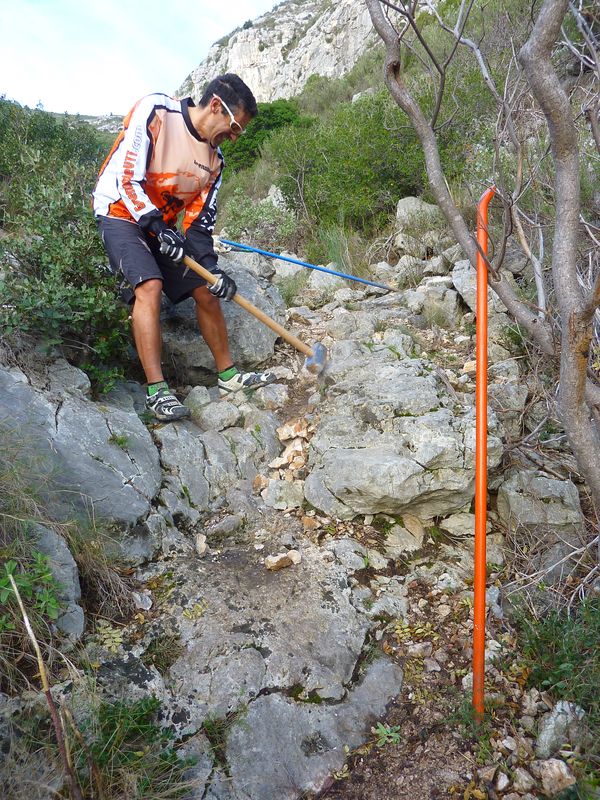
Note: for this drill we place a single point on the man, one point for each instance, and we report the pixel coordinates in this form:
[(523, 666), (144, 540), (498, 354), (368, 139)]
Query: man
[(167, 161)]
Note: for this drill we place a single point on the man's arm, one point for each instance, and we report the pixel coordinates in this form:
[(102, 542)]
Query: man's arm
[(132, 157)]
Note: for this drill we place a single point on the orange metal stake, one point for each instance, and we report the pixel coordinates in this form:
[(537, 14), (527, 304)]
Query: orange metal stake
[(481, 455)]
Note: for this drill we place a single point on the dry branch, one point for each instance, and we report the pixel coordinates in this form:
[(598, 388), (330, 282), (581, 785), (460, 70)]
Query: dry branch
[(54, 714)]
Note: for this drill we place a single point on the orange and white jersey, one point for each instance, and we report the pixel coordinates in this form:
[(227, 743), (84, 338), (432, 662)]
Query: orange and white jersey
[(160, 162)]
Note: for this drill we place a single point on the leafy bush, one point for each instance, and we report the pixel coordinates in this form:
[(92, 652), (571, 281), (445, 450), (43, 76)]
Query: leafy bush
[(54, 286), (263, 224), (271, 117), (352, 166)]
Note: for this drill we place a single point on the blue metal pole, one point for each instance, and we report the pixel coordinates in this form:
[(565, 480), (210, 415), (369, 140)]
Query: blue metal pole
[(307, 265)]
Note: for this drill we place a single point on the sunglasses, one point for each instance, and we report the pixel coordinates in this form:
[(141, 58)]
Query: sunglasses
[(233, 123)]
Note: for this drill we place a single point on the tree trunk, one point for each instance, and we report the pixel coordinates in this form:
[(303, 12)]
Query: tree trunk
[(576, 312)]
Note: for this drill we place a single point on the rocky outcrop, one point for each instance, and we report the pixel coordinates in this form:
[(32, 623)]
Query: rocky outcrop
[(100, 456), (278, 52)]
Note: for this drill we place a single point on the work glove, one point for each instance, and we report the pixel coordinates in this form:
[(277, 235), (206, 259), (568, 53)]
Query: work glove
[(225, 287), (172, 244)]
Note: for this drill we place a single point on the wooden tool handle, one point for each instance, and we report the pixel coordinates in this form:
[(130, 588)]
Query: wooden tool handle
[(252, 309)]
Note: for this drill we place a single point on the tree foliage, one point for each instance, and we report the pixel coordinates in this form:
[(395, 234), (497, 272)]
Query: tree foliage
[(271, 117)]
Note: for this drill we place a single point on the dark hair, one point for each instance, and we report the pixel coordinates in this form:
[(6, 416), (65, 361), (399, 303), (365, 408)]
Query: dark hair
[(233, 91)]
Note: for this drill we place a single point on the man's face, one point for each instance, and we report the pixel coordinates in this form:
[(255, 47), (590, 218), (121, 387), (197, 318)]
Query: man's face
[(226, 123)]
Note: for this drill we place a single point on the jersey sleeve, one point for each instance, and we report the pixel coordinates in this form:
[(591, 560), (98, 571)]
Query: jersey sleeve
[(133, 156), (199, 224)]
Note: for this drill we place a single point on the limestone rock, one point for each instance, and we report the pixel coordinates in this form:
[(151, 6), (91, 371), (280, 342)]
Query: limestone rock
[(216, 416), (99, 454), (278, 52), (400, 540), (554, 775), (182, 456), (273, 397), (283, 494), (310, 740), (201, 546), (530, 501), (65, 573), (522, 780), (394, 445), (412, 212), (464, 279), (561, 726), (257, 629)]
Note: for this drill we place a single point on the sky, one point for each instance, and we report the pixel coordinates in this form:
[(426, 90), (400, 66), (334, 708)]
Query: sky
[(90, 57)]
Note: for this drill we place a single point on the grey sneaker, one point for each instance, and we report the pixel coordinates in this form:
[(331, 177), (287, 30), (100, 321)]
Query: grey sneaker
[(245, 381), (166, 407)]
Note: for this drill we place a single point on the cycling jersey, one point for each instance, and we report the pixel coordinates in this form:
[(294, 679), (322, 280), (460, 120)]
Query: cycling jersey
[(159, 162)]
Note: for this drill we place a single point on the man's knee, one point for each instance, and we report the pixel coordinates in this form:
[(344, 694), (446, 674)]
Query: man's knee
[(149, 292), (205, 301)]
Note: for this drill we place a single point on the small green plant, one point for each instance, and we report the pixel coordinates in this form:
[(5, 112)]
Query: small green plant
[(108, 637), (255, 433), (163, 652), (120, 439), (197, 611), (35, 584), (40, 594), (216, 728), (386, 734), (133, 757), (478, 732), (291, 287)]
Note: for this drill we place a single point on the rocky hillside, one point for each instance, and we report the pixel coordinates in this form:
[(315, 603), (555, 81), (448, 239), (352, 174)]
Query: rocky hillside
[(277, 53), (301, 559)]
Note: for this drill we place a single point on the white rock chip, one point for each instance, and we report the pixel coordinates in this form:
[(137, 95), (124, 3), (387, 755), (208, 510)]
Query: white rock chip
[(282, 560), (200, 544)]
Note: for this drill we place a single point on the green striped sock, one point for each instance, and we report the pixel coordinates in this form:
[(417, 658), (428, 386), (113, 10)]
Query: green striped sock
[(153, 388), (227, 374)]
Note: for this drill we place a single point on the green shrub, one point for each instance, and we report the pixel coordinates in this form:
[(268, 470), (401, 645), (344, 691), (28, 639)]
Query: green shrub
[(271, 117), (54, 286), (353, 165), (262, 224)]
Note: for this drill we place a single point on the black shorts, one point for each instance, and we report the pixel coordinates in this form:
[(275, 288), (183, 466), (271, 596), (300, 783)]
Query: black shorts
[(136, 258)]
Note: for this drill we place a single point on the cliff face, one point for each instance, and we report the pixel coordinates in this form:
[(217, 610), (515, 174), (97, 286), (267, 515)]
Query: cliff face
[(280, 50)]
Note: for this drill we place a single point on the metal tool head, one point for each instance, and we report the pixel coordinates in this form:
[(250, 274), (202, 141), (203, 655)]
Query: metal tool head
[(315, 363)]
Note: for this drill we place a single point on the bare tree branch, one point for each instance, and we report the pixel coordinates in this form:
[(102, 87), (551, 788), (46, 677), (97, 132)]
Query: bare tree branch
[(538, 329)]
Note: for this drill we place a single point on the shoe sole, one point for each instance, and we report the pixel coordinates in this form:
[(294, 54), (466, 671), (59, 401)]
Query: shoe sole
[(169, 417)]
